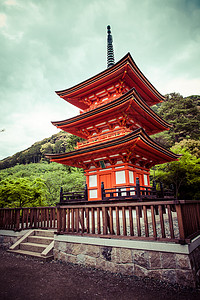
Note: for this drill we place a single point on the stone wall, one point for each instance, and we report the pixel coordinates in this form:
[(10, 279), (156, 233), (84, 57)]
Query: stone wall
[(176, 268), (195, 264), (9, 237)]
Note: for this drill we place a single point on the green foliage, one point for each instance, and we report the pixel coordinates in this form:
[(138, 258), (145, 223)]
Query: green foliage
[(22, 192), (183, 114), (183, 174), (183, 138), (37, 184), (192, 146), (28, 179)]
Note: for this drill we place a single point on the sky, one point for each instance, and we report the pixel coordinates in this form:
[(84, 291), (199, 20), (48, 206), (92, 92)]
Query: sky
[(50, 45)]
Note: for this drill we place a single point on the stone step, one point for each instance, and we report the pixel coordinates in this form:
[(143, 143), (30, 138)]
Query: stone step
[(32, 247), (32, 254), (38, 244), (40, 239), (45, 233)]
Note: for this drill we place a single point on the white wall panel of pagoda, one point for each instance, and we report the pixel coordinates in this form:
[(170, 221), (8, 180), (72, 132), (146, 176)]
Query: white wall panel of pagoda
[(114, 176)]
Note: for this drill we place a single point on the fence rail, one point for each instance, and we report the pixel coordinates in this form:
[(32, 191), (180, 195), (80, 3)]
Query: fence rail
[(177, 221)]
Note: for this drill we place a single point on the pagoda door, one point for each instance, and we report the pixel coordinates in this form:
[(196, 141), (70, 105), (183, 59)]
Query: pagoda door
[(139, 175), (106, 179)]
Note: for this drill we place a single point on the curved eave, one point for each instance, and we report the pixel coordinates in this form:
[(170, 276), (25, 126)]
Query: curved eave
[(138, 139), (111, 74), (83, 120)]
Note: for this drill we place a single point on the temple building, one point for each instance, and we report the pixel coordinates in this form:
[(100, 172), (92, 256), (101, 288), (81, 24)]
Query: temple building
[(116, 121)]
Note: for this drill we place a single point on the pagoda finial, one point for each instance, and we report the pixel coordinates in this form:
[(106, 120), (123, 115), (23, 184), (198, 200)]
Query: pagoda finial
[(110, 51)]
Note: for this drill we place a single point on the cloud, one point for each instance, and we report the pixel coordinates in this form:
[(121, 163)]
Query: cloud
[(2, 20), (11, 2), (52, 45)]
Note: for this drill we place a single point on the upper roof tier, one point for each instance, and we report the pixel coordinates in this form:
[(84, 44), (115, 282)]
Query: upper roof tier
[(125, 70)]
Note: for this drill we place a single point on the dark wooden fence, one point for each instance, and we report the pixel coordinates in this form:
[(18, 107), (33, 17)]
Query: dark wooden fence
[(27, 218), (188, 212), (177, 221), (155, 220)]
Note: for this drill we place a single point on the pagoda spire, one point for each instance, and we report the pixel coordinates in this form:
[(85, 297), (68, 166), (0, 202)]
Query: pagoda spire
[(110, 51)]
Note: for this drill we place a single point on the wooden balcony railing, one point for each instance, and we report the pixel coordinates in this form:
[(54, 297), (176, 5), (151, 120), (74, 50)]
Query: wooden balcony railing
[(73, 196), (170, 221), (137, 191), (134, 192), (128, 192)]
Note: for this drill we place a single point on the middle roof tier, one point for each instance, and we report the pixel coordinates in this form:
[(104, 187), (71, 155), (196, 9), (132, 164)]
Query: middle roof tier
[(129, 112)]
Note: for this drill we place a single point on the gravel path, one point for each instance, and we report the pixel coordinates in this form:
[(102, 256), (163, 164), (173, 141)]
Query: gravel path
[(26, 278)]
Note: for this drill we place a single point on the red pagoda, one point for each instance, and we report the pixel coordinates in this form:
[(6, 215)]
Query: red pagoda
[(116, 121)]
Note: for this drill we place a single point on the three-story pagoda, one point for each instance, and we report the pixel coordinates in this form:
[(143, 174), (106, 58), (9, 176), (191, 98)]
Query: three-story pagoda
[(116, 121)]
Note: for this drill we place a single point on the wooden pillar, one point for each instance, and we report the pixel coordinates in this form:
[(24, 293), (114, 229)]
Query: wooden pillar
[(161, 190), (86, 193), (61, 194), (102, 191), (154, 188), (138, 193)]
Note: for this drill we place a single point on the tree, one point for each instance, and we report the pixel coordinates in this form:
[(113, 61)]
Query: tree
[(184, 174), (47, 179), (22, 192), (70, 181), (183, 114), (193, 146)]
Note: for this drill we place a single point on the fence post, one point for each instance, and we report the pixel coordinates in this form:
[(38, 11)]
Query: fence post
[(180, 222), (86, 193), (161, 190), (35, 220), (154, 188), (61, 194), (138, 187), (172, 187), (59, 220), (102, 191), (17, 219)]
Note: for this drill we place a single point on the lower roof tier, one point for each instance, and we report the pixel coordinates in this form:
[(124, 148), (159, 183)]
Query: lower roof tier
[(135, 147)]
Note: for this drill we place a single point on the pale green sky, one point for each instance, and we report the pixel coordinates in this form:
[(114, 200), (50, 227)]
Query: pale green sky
[(48, 45)]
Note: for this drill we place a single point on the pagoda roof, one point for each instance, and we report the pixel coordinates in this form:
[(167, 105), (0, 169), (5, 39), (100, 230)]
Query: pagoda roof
[(125, 69), (138, 143), (129, 105)]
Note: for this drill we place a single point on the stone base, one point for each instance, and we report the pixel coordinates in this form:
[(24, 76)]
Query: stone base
[(9, 237), (169, 262), (177, 266)]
